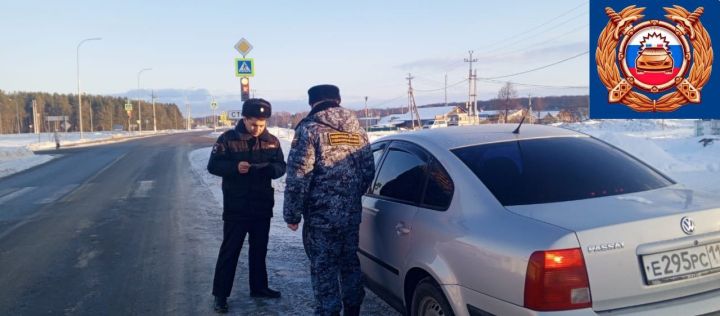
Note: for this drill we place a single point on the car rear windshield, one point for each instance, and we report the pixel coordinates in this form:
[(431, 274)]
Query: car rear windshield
[(550, 170)]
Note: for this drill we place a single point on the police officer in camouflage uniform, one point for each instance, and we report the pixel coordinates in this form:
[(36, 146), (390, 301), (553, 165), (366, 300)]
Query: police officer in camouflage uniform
[(247, 158), (330, 167)]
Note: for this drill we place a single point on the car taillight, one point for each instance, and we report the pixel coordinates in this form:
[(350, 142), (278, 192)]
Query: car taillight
[(557, 280)]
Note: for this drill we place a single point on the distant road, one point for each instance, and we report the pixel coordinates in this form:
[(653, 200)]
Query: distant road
[(105, 230)]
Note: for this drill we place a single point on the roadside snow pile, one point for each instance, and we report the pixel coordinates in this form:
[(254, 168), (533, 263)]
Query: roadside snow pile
[(14, 153), (668, 145), (198, 160), (637, 128), (16, 159)]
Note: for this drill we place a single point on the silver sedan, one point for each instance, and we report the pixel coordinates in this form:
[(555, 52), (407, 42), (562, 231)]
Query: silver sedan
[(482, 221)]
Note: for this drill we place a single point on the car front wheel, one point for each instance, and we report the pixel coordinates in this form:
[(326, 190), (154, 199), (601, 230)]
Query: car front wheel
[(428, 300)]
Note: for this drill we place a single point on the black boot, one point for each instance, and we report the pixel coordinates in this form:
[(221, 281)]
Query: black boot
[(351, 311), (267, 293), (221, 305)]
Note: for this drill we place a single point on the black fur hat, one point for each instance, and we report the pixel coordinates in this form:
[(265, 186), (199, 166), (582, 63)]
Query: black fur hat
[(323, 92), (256, 108)]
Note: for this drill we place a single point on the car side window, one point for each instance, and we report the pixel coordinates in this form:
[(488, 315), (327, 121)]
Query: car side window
[(378, 150), (439, 189), (401, 177)]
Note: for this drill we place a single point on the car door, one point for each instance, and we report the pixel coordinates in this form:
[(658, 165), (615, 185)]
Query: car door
[(367, 236), (388, 212)]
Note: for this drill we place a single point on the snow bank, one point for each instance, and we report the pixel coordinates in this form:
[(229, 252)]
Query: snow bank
[(16, 159), (16, 150), (668, 145)]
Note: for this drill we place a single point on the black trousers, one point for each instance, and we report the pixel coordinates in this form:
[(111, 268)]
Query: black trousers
[(233, 238)]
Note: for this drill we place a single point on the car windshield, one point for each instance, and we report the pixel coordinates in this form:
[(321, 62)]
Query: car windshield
[(557, 169)]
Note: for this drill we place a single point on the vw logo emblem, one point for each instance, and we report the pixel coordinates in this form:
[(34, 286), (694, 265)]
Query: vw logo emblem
[(688, 225)]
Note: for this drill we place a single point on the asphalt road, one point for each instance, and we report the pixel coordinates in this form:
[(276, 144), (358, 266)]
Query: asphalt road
[(105, 230)]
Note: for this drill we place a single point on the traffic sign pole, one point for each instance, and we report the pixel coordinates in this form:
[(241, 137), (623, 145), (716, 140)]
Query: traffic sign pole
[(213, 106), (244, 67)]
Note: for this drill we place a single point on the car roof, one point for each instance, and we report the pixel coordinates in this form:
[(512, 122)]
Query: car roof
[(463, 136)]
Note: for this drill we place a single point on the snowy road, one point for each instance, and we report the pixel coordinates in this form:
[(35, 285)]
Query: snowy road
[(131, 229)]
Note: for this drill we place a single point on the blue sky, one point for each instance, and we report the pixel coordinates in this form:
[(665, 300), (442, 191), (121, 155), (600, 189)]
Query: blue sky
[(365, 47)]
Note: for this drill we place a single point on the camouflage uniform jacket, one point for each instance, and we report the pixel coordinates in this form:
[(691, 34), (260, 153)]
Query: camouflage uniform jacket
[(250, 195), (330, 167)]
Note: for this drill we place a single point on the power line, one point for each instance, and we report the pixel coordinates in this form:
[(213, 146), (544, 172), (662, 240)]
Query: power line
[(538, 68), (388, 101), (534, 85), (546, 41), (529, 35), (538, 26), (443, 88)]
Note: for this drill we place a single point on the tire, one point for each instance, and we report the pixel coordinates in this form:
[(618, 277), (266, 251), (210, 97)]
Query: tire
[(428, 300)]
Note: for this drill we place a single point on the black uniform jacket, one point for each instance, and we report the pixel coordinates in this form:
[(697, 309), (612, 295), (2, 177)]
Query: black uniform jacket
[(247, 196)]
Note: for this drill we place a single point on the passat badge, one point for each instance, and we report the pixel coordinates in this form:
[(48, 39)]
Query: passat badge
[(654, 65)]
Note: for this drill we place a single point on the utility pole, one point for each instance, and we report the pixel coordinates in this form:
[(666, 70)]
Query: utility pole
[(445, 89), (530, 107), (412, 107), (471, 93), (476, 119), (36, 127), (154, 119), (366, 114), (112, 109), (187, 111)]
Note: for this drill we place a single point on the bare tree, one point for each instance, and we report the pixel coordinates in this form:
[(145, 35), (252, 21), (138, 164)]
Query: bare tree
[(506, 96)]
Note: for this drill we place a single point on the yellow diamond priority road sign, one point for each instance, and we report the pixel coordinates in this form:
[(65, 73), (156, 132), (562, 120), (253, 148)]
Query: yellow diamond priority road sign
[(243, 46)]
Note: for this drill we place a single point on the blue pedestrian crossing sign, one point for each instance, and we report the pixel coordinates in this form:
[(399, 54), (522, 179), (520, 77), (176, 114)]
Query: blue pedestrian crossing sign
[(244, 67)]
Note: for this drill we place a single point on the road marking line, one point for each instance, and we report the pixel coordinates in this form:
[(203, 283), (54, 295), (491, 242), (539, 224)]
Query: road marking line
[(5, 191), (64, 190), (70, 196), (74, 195), (14, 194), (143, 189)]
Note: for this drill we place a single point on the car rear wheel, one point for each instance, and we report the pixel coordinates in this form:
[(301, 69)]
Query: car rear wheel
[(428, 300)]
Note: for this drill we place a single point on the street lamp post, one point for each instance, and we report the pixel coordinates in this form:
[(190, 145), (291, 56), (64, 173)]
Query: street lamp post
[(139, 98), (78, 81), (154, 119)]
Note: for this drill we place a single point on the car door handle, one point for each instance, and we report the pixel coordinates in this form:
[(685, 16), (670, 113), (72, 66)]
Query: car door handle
[(371, 209), (401, 229)]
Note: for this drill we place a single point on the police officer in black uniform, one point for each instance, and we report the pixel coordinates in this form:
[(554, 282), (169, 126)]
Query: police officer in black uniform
[(247, 158)]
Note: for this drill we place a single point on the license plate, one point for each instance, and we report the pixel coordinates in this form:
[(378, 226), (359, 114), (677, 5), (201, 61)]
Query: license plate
[(682, 263)]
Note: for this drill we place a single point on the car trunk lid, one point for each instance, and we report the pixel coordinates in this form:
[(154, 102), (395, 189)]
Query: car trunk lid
[(624, 237)]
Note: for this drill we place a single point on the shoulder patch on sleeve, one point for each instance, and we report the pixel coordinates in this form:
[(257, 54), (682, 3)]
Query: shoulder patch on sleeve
[(340, 138), (218, 147)]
